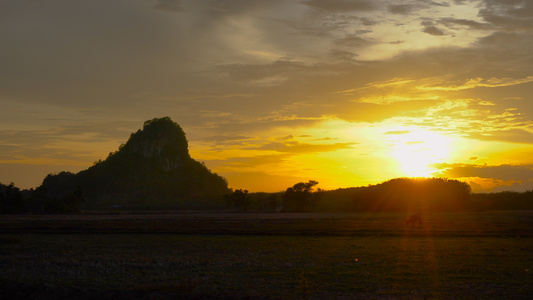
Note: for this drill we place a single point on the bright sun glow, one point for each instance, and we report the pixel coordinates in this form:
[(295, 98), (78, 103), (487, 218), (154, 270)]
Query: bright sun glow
[(417, 149)]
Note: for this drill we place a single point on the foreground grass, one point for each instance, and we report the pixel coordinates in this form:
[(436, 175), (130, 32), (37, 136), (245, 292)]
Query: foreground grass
[(412, 264)]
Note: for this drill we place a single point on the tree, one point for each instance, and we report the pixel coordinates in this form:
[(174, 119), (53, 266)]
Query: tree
[(11, 200), (238, 199), (301, 197), (413, 194), (41, 202)]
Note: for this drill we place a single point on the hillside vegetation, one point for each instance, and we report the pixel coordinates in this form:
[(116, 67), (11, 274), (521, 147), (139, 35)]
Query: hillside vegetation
[(153, 169), (399, 194)]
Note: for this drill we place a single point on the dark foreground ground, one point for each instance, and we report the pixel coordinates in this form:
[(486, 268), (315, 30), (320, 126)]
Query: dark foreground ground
[(481, 255)]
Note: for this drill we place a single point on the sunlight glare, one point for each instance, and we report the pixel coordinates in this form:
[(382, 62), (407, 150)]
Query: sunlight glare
[(417, 149)]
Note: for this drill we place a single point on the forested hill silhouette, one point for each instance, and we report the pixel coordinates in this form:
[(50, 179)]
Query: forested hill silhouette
[(152, 170), (413, 194), (394, 195)]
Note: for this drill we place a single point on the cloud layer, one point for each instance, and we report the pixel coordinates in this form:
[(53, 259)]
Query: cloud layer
[(78, 76)]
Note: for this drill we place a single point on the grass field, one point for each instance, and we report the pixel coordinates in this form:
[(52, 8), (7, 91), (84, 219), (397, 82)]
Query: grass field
[(308, 256)]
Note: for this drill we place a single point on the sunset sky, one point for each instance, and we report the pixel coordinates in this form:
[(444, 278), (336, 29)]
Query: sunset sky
[(271, 93)]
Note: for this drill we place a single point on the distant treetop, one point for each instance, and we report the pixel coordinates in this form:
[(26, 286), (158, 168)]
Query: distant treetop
[(414, 194)]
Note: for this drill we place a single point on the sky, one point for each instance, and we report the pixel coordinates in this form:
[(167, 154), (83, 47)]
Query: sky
[(271, 93)]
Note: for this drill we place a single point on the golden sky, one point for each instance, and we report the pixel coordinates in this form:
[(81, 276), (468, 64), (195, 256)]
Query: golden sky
[(270, 93)]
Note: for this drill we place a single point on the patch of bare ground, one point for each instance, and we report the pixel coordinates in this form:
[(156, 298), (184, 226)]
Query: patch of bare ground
[(467, 255), (25, 291), (515, 224)]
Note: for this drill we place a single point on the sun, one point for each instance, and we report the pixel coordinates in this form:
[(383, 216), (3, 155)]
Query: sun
[(416, 150)]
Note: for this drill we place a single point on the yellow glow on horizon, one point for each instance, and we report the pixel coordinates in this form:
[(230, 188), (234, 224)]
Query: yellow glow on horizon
[(417, 149), (341, 154)]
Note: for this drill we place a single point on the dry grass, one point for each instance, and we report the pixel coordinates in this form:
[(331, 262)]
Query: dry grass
[(308, 256), (497, 224)]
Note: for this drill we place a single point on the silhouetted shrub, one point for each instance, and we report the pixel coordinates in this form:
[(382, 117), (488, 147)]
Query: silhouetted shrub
[(238, 199), (413, 194), (11, 200), (301, 197)]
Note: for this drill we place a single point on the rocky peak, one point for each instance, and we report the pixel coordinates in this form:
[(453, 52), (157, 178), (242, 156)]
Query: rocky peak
[(160, 139)]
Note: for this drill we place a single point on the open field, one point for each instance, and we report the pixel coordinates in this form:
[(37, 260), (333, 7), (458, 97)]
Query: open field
[(270, 256)]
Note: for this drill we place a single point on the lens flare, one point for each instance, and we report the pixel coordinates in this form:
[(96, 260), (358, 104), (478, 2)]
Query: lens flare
[(417, 149)]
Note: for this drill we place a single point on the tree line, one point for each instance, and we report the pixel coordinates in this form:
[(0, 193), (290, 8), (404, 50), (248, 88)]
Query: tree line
[(399, 194), (16, 201), (301, 197)]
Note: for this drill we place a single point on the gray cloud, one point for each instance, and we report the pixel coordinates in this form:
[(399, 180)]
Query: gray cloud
[(352, 41), (501, 172), (343, 55), (504, 40), (224, 139), (372, 113), (511, 136), (443, 4), (41, 145), (341, 5), (431, 29), (454, 23), (499, 178), (249, 72), (297, 147), (58, 53), (169, 5), (401, 9), (368, 21), (406, 9), (508, 15)]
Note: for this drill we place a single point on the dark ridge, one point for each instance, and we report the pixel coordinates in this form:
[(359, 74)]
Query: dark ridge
[(152, 170)]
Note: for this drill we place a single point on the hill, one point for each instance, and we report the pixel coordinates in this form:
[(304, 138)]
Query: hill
[(152, 170), (394, 195)]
